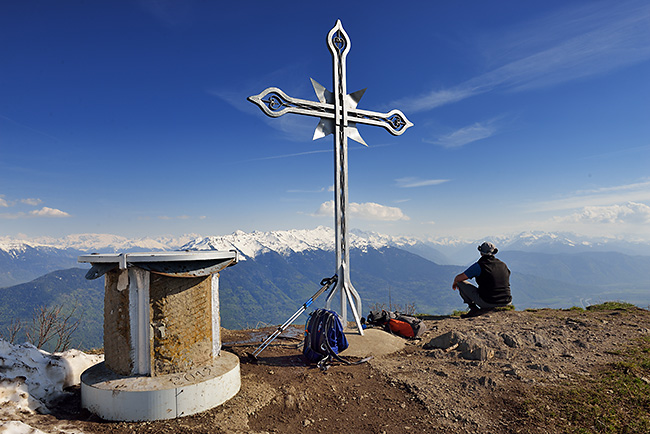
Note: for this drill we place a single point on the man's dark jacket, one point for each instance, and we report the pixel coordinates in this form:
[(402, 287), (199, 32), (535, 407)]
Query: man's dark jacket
[(494, 281)]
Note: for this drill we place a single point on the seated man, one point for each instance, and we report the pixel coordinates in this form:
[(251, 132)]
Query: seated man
[(493, 278)]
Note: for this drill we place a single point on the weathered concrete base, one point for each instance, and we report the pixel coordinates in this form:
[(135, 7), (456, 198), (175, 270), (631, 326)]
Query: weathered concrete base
[(141, 398)]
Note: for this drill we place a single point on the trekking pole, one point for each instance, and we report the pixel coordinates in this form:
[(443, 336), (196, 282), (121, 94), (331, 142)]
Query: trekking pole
[(325, 284)]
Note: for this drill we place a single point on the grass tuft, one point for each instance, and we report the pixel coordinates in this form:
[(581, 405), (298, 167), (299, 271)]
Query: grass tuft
[(611, 305), (615, 400), (575, 308)]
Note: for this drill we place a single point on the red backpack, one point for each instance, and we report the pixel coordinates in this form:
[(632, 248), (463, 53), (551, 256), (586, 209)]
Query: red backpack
[(406, 326)]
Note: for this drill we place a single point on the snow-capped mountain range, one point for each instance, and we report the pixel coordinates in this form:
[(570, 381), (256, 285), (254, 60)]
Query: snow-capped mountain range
[(92, 242), (285, 242)]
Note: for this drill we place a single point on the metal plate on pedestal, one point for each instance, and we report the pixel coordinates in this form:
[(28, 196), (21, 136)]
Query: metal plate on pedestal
[(174, 264)]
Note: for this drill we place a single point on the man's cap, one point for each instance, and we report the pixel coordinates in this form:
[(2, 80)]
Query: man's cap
[(487, 249)]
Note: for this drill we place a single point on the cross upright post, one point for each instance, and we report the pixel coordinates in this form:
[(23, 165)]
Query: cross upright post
[(339, 116)]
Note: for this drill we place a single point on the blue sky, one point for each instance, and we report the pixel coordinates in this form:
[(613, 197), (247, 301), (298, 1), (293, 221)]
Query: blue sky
[(131, 118)]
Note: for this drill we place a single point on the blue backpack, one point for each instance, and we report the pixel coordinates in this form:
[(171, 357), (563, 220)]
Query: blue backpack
[(324, 337)]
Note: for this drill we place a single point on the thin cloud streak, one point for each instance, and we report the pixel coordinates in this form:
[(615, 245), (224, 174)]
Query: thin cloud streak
[(297, 154), (618, 152), (469, 134), (320, 190), (411, 182), (27, 127), (606, 41), (606, 196), (626, 187)]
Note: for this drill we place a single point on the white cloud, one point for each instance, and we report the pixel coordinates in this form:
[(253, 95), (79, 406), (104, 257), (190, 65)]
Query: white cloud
[(365, 211), (577, 43), (411, 182), (48, 212), (628, 213), (31, 201), (436, 98), (605, 196), (465, 135)]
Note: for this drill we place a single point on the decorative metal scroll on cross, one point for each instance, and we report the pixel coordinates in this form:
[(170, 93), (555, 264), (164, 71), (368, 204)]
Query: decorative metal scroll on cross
[(338, 115)]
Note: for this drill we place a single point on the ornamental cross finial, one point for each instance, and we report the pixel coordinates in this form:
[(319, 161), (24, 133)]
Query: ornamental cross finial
[(338, 115)]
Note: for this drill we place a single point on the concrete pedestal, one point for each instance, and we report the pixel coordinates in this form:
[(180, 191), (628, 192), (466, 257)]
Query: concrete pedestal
[(162, 340)]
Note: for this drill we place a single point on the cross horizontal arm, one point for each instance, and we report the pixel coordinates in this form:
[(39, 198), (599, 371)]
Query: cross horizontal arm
[(394, 121), (275, 103)]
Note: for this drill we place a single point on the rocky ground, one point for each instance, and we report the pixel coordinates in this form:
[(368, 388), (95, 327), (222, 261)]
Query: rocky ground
[(498, 373)]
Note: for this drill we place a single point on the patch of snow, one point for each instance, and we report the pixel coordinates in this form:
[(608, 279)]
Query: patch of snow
[(31, 378), (17, 427)]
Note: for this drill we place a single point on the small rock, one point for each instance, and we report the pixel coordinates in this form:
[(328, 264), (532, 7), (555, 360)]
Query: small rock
[(540, 340), (480, 353), (512, 371), (471, 350), (580, 343), (510, 340), (537, 367), (487, 382), (444, 341), (290, 402)]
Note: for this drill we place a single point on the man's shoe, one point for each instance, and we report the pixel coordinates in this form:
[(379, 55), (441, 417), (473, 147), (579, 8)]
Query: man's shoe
[(472, 313)]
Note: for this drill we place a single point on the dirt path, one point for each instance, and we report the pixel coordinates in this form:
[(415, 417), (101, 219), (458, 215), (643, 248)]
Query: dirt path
[(481, 374)]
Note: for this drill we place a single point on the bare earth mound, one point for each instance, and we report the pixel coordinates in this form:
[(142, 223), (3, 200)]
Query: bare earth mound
[(503, 372)]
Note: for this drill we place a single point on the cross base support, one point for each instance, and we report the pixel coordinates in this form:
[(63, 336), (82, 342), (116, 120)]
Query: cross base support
[(350, 296)]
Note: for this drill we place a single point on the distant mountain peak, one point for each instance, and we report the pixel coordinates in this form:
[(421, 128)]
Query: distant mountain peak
[(251, 244), (287, 242)]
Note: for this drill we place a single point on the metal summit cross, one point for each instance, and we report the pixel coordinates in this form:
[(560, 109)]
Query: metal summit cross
[(338, 115)]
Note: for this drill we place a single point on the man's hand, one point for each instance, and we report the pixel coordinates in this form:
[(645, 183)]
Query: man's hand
[(460, 278)]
